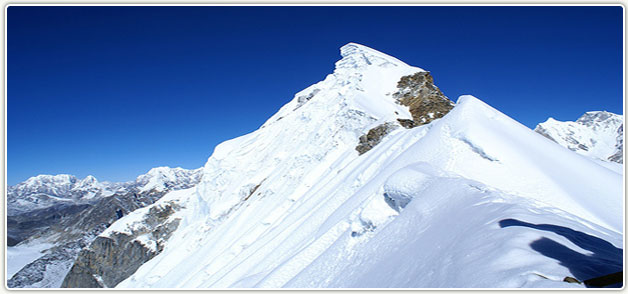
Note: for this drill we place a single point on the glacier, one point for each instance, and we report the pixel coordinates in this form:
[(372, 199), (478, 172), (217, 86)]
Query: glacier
[(472, 199)]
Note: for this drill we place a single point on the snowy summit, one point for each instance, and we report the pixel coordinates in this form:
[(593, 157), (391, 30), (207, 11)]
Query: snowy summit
[(373, 178)]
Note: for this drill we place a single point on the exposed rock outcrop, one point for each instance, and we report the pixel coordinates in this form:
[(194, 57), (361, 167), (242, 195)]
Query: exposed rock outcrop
[(425, 100), (73, 232), (107, 262), (22, 226), (407, 123), (73, 225), (111, 258), (44, 271), (619, 155), (374, 136)]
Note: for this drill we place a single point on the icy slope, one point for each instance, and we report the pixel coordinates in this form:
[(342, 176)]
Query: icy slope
[(294, 205), (597, 134)]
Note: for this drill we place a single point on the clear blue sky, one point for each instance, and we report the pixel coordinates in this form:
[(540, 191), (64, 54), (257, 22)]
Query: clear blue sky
[(114, 91)]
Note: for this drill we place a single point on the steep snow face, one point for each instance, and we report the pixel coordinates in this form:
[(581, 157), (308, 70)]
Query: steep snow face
[(458, 202), (597, 134), (287, 154)]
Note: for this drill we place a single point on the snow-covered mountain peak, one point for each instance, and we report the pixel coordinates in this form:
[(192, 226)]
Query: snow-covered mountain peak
[(597, 134), (44, 191), (362, 82), (51, 184), (161, 171), (356, 56), (45, 179), (598, 119), (296, 204), (163, 177), (89, 180)]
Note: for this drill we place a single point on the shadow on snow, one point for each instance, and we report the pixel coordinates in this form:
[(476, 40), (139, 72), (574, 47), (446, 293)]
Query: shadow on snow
[(606, 258)]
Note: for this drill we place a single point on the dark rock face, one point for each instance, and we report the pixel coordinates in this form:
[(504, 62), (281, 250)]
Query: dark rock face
[(543, 132), (61, 256), (22, 226), (75, 231), (72, 227), (110, 259), (107, 262), (425, 100), (619, 155), (100, 216), (374, 136), (407, 123)]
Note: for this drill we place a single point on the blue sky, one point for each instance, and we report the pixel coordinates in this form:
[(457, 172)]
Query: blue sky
[(114, 91)]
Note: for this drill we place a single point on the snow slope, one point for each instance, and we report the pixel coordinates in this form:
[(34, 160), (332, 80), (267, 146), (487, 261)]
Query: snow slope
[(597, 134), (23, 254), (473, 199)]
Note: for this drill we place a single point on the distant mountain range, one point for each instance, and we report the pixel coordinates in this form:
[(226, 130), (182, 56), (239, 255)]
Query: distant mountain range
[(597, 134), (66, 213)]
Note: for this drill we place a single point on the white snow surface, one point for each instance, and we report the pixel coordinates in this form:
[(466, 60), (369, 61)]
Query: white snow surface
[(473, 199), (24, 253), (596, 134)]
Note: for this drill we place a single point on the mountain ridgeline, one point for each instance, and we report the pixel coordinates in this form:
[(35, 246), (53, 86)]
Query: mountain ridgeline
[(370, 178)]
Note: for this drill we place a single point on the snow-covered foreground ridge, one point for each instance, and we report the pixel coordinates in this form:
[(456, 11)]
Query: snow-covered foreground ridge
[(473, 199)]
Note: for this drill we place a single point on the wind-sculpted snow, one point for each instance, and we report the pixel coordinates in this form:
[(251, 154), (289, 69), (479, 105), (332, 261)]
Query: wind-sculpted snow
[(294, 205), (457, 233)]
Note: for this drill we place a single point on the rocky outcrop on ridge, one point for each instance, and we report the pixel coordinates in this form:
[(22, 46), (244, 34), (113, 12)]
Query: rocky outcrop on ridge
[(111, 258), (425, 101)]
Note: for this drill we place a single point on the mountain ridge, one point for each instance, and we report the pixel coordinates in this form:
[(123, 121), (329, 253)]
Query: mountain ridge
[(43, 191), (446, 195), (294, 204)]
